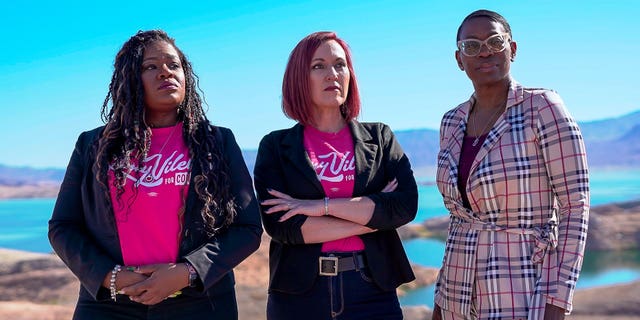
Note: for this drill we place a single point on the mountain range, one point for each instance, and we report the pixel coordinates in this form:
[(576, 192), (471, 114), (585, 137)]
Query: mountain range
[(610, 143)]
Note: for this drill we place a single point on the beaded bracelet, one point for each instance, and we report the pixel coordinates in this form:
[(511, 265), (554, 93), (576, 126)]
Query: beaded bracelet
[(112, 282), (326, 206)]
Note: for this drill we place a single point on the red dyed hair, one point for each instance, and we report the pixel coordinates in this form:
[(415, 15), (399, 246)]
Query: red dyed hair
[(296, 92)]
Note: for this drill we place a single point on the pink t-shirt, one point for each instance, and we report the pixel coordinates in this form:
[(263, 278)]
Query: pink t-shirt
[(147, 213), (332, 156)]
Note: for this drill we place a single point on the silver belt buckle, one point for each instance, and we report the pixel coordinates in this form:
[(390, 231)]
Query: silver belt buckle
[(328, 266)]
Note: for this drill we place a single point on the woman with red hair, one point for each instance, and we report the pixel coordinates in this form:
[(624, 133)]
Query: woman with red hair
[(333, 191)]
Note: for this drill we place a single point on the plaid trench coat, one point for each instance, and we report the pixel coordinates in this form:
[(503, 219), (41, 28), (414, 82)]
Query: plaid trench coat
[(521, 246)]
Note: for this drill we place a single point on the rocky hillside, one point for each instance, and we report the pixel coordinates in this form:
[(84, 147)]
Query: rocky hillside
[(40, 287), (610, 143), (611, 227), (614, 227), (609, 129)]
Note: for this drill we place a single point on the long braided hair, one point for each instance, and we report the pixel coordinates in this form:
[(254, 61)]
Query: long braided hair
[(126, 138)]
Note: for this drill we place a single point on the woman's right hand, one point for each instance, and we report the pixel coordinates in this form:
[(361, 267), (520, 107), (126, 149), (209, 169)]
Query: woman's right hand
[(311, 208), (124, 278), (437, 313), (391, 186)]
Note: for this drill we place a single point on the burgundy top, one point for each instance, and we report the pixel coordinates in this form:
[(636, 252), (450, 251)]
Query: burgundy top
[(467, 155)]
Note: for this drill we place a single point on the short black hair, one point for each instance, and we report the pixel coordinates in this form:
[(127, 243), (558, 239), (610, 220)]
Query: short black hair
[(491, 15)]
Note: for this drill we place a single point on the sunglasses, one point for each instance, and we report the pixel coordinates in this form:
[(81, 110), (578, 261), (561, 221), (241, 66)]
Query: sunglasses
[(495, 43)]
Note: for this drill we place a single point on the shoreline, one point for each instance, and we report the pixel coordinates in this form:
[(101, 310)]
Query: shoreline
[(40, 286), (37, 285)]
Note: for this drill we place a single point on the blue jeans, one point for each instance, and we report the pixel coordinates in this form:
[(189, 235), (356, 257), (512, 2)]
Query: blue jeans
[(350, 295), (220, 307)]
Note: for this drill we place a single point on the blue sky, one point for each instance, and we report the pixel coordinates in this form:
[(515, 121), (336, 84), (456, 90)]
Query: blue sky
[(56, 60)]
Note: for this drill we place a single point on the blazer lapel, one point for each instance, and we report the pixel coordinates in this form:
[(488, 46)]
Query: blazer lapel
[(293, 151), (454, 143), (365, 151), (503, 124), (493, 137)]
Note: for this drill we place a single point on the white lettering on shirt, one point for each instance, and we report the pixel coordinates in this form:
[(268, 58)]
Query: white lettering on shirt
[(155, 167), (336, 166)]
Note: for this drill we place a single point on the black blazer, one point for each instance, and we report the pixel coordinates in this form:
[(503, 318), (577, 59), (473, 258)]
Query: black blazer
[(282, 164), (83, 231)]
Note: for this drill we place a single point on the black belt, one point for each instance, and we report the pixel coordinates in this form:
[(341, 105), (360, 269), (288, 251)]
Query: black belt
[(331, 265)]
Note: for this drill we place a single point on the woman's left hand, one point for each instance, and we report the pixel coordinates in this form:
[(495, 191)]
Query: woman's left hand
[(164, 280), (284, 202), (552, 312), (311, 208)]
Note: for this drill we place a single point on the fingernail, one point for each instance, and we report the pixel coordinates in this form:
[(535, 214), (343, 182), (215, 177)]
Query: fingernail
[(269, 189), (131, 268)]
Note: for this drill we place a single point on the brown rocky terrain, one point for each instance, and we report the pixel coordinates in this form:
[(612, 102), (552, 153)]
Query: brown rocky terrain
[(39, 286), (614, 226), (611, 227), (41, 190)]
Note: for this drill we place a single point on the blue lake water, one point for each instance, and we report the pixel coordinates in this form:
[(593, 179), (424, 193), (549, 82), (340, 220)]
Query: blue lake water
[(24, 227)]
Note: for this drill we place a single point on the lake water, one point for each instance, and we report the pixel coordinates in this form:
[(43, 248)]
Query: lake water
[(24, 227), (599, 268)]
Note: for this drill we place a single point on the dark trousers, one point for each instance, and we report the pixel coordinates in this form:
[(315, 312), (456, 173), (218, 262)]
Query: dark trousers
[(220, 307), (350, 295)]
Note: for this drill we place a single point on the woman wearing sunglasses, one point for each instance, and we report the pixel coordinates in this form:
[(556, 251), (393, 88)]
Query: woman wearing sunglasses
[(513, 174)]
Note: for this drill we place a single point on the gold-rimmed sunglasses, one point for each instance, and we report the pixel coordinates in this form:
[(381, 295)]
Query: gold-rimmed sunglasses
[(495, 43)]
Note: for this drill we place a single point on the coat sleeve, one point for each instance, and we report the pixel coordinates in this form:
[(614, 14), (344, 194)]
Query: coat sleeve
[(268, 173), (68, 233), (397, 208), (222, 252), (565, 158)]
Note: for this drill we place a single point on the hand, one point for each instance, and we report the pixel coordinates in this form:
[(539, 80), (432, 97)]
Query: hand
[(391, 186), (292, 206), (163, 280), (124, 278), (437, 313), (311, 208), (552, 312)]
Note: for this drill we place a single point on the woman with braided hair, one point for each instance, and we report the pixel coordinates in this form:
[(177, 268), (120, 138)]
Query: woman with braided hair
[(157, 206)]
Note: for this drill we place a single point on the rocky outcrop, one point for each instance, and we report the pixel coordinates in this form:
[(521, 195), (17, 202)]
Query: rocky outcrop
[(40, 286), (611, 227), (614, 227), (41, 190)]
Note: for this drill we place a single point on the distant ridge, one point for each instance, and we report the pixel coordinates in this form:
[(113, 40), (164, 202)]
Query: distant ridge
[(622, 152), (611, 143), (18, 176), (609, 129)]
